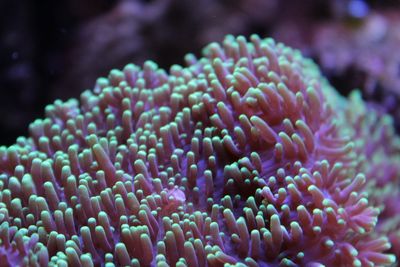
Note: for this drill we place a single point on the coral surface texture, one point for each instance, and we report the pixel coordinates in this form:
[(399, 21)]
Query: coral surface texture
[(243, 157)]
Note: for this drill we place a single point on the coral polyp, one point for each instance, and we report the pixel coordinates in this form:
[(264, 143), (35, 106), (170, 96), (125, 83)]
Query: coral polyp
[(240, 158)]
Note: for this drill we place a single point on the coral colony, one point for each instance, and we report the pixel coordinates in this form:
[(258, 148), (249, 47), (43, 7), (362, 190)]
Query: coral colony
[(246, 157)]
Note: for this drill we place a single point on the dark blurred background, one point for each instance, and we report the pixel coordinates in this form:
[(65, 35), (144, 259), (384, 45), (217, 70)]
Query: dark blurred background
[(56, 49)]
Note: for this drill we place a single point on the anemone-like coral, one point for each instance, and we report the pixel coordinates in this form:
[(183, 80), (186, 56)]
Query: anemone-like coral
[(378, 149), (361, 57), (238, 158)]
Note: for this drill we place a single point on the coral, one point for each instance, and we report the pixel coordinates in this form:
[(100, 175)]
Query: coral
[(240, 158), (361, 57), (378, 148)]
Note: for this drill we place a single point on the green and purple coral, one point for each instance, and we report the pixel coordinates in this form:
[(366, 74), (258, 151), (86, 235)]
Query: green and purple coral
[(246, 157)]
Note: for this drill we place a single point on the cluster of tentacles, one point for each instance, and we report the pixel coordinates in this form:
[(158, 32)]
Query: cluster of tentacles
[(240, 158)]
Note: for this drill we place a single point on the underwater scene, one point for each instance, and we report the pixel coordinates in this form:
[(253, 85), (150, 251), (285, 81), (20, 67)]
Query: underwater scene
[(200, 133)]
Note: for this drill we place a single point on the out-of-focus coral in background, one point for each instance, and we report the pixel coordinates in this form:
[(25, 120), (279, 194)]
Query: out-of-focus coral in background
[(53, 50)]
